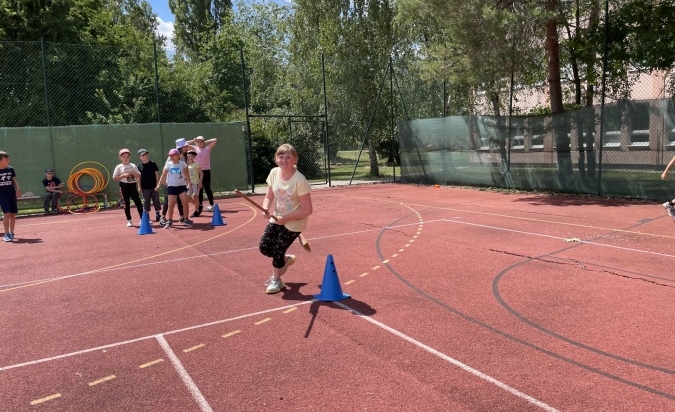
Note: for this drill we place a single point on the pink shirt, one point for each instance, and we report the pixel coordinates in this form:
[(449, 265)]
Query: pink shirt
[(203, 158)]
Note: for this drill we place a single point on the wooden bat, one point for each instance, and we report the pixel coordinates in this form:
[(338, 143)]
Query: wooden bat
[(301, 238)]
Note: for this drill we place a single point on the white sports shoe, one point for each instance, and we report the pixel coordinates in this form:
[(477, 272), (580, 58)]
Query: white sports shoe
[(274, 285), (209, 208), (129, 224), (669, 208)]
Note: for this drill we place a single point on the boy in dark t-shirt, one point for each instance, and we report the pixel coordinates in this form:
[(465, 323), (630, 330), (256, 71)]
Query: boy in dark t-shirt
[(148, 182), (9, 192), (53, 187)]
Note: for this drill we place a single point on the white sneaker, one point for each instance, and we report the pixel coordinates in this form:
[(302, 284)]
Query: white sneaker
[(669, 208), (129, 224), (274, 285), (209, 208)]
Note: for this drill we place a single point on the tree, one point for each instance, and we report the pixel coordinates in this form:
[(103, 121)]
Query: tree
[(197, 22), (264, 32), (481, 45), (358, 38)]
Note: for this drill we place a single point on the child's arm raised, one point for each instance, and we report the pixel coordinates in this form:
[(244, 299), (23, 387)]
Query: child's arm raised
[(670, 165)]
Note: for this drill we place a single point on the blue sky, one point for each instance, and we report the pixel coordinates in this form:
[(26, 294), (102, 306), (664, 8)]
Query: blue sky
[(161, 8), (166, 18)]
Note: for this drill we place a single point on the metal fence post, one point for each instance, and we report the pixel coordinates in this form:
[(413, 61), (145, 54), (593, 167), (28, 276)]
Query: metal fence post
[(248, 120), (602, 98), (159, 116), (49, 119), (326, 145)]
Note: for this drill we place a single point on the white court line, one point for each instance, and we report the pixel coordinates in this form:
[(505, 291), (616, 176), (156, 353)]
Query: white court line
[(139, 265), (126, 342), (453, 361), (194, 390), (95, 271), (184, 375), (649, 252), (110, 269)]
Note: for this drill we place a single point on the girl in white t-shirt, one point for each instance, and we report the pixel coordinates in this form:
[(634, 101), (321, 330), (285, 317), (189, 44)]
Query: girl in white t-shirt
[(127, 174), (289, 191), (176, 177)]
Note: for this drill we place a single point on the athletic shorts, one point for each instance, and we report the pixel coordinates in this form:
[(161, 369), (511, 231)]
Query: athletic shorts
[(9, 204), (175, 190)]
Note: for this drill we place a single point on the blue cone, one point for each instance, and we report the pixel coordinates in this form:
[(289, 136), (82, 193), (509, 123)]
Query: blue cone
[(217, 218), (330, 287), (145, 229)]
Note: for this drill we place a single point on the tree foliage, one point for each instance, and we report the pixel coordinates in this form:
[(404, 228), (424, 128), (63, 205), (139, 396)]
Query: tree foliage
[(198, 22)]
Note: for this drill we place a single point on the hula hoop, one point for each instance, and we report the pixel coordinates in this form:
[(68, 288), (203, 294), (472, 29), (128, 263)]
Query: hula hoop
[(87, 206), (100, 182), (90, 201)]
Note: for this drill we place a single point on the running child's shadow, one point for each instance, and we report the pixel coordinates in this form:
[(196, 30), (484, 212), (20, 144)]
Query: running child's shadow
[(357, 307), (24, 240)]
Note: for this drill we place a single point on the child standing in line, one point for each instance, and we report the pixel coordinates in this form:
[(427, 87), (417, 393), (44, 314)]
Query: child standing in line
[(127, 174), (203, 150), (182, 146), (289, 191), (9, 192), (176, 177), (53, 187), (148, 183), (669, 204), (196, 176)]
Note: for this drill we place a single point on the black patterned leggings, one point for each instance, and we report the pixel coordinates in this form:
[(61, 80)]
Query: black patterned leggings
[(275, 242), (129, 192)]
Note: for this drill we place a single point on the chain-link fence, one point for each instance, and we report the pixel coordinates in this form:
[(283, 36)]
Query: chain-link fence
[(64, 104), (563, 152)]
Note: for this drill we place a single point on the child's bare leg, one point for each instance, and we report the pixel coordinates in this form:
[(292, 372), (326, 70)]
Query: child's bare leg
[(5, 222), (12, 220), (279, 272), (172, 203), (186, 204)]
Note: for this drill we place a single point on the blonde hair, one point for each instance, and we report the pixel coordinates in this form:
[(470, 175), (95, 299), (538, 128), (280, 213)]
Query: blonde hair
[(286, 148)]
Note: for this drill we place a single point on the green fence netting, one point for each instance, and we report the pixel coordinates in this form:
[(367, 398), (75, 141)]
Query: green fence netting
[(68, 149), (562, 152)]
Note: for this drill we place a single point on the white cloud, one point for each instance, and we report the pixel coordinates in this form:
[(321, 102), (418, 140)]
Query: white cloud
[(165, 28)]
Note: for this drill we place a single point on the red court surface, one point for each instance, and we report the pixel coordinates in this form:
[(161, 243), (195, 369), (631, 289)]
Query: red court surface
[(461, 300)]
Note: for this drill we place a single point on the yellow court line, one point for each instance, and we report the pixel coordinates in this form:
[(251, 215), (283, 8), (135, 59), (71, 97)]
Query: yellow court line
[(45, 399), (290, 310), (349, 282), (201, 345), (260, 322), (512, 217), (107, 378), (255, 214), (145, 365), (227, 335)]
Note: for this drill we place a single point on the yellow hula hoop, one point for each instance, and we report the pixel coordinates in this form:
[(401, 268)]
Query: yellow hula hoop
[(100, 182)]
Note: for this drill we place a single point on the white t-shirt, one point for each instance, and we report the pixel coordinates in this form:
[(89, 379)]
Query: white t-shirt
[(287, 197), (175, 175), (121, 169)]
